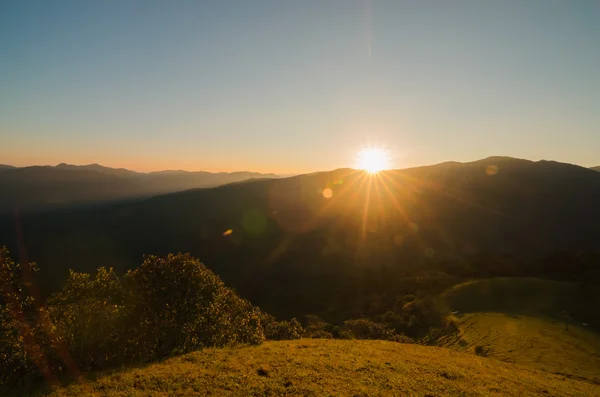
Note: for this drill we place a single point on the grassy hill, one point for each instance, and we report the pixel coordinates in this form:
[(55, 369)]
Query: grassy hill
[(537, 342), (521, 321), (312, 367)]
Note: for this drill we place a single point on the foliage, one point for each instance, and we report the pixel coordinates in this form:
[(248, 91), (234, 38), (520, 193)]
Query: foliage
[(92, 319), (166, 306), (482, 351), (320, 334), (179, 305), (414, 316), (316, 327), (20, 354), (364, 328), (280, 330)]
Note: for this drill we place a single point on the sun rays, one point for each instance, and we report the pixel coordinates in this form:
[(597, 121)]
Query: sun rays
[(388, 210)]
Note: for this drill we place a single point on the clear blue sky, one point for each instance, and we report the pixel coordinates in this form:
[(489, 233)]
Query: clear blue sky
[(297, 86)]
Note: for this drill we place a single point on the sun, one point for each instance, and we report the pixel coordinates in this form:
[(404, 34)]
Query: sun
[(372, 160)]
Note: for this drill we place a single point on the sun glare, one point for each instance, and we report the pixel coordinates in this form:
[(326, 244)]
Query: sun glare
[(372, 160)]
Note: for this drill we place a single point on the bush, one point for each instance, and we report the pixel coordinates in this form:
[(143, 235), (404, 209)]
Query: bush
[(482, 351), (280, 330), (179, 305), (414, 316), (320, 334), (20, 353), (340, 332), (91, 319), (313, 323), (166, 306), (364, 328)]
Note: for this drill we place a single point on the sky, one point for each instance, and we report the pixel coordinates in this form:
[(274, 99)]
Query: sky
[(297, 86)]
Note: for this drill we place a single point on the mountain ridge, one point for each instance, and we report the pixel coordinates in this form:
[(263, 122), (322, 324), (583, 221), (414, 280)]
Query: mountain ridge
[(288, 232), (102, 168), (42, 187)]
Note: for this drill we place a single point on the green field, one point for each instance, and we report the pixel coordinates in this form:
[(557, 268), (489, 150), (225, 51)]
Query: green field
[(314, 367)]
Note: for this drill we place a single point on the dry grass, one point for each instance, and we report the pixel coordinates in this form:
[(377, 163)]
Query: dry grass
[(310, 367), (538, 342), (519, 321)]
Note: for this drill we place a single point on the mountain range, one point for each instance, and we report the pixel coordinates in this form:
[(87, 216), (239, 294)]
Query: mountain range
[(40, 187), (314, 235)]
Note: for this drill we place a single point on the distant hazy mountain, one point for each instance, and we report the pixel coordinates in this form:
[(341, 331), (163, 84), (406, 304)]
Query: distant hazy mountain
[(41, 187), (98, 168), (596, 168), (293, 242)]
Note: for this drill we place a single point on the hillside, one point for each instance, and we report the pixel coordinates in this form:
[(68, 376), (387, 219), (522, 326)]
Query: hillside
[(596, 168), (527, 296), (42, 187), (523, 321), (532, 341), (312, 367), (319, 251)]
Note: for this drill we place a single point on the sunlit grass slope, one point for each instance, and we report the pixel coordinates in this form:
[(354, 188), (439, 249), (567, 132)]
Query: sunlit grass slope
[(311, 367), (537, 342), (521, 321)]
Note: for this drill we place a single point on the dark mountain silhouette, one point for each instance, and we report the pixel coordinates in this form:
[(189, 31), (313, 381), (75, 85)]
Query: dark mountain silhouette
[(596, 168), (39, 187), (287, 247), (99, 168), (43, 186), (5, 167), (172, 181)]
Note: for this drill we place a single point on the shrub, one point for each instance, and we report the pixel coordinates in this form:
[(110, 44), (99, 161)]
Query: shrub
[(20, 353), (280, 330), (482, 351), (91, 319), (179, 305), (166, 306), (364, 328), (313, 323), (340, 332), (320, 334), (415, 316)]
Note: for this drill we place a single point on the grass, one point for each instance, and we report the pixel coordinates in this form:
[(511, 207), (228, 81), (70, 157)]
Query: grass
[(521, 321), (537, 342), (315, 367)]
